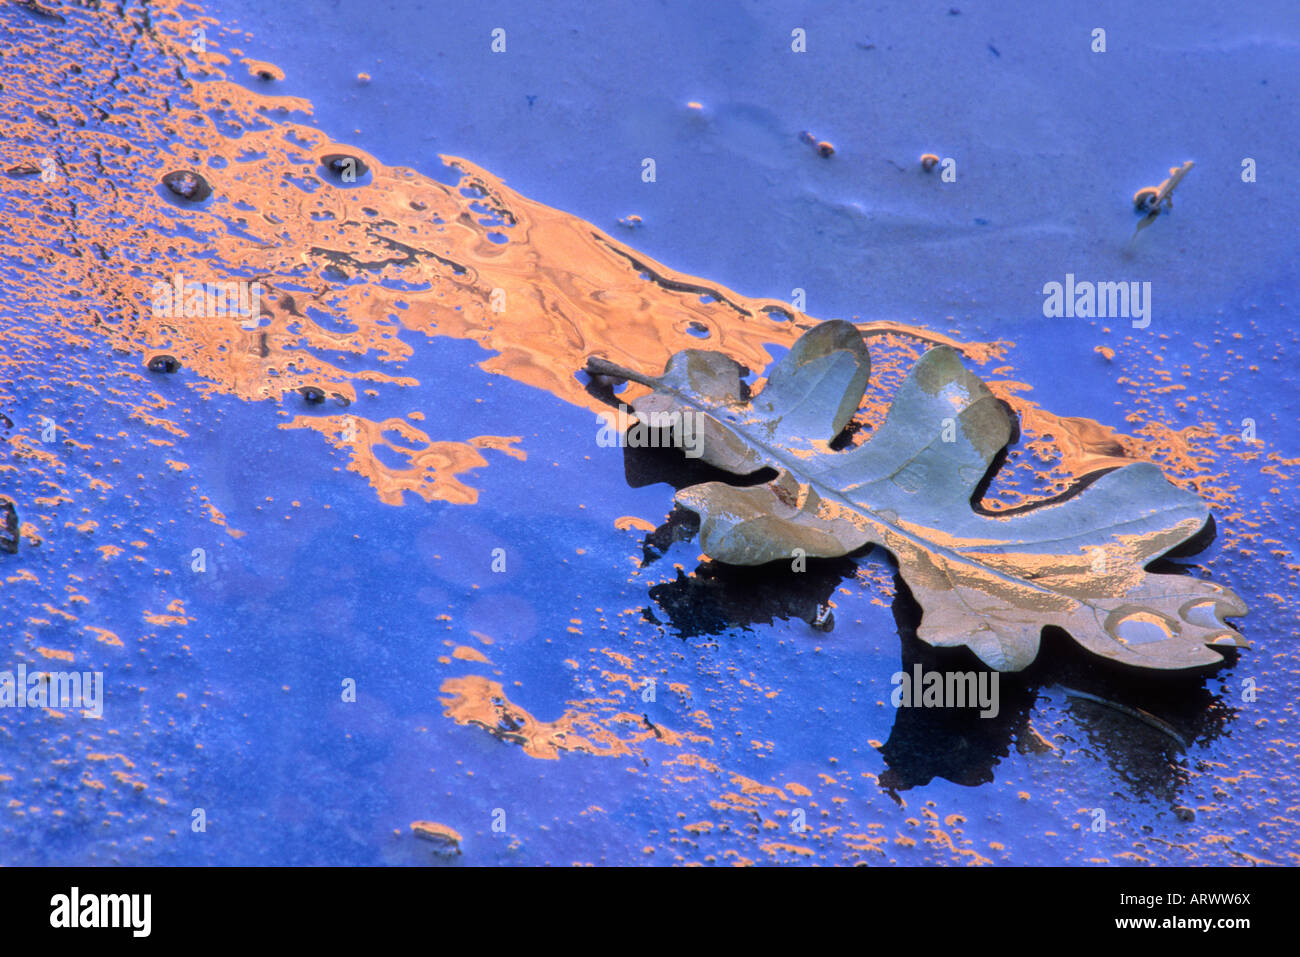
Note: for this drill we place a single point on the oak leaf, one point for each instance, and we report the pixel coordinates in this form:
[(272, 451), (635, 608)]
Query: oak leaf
[(987, 581)]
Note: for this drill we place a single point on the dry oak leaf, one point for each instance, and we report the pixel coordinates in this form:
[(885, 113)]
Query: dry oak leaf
[(990, 582)]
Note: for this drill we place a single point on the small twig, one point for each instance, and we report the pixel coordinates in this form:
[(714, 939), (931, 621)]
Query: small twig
[(1145, 717)]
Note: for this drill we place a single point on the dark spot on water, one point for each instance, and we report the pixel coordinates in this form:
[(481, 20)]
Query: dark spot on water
[(164, 363), (698, 329), (343, 165), (981, 222), (994, 50), (807, 137), (823, 619), (187, 184), (9, 526), (312, 394)]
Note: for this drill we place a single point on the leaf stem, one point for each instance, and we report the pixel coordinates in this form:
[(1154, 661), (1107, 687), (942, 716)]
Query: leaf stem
[(598, 365)]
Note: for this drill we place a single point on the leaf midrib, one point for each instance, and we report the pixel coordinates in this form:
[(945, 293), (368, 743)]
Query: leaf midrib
[(826, 491)]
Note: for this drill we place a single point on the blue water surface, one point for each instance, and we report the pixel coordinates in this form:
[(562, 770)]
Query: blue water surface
[(1050, 140)]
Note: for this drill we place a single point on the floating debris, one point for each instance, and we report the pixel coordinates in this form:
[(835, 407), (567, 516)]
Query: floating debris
[(446, 839), (632, 222), (929, 161), (188, 185), (824, 147), (10, 528), (261, 70), (823, 618), (1153, 200)]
